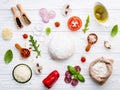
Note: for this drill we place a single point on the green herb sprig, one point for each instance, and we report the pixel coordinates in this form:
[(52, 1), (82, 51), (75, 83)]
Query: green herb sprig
[(86, 24), (34, 45), (8, 56), (114, 30), (76, 74)]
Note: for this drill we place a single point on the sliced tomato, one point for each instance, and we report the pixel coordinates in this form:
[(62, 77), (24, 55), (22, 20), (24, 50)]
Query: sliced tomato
[(74, 23)]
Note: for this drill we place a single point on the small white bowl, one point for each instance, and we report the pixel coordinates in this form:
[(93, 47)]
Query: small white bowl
[(107, 22)]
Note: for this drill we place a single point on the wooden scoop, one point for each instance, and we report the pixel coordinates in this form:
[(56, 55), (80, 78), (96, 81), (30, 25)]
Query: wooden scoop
[(24, 52), (24, 17), (17, 18), (92, 39)]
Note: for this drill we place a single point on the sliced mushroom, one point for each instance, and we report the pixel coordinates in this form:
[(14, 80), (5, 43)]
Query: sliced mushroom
[(37, 68), (66, 10), (107, 44)]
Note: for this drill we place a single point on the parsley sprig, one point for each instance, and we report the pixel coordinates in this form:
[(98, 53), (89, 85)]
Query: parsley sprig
[(34, 45)]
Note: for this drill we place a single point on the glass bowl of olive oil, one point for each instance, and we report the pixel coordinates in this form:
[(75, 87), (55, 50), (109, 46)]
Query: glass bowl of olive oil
[(101, 13)]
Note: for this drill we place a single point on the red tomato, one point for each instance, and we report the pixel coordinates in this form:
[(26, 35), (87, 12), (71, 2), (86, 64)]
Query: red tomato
[(25, 36), (83, 59), (74, 23), (57, 24)]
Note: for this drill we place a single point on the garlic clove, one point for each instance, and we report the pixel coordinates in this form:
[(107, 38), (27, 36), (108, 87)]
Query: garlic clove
[(107, 44)]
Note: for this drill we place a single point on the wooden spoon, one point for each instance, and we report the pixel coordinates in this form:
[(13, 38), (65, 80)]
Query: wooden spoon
[(92, 39), (23, 15), (17, 18), (24, 52)]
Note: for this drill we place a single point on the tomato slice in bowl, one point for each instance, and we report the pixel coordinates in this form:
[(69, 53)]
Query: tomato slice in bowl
[(74, 23)]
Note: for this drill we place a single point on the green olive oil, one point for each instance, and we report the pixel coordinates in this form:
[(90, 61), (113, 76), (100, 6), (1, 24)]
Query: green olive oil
[(100, 13)]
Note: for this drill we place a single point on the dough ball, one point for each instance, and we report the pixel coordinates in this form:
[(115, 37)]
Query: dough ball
[(7, 33), (61, 47)]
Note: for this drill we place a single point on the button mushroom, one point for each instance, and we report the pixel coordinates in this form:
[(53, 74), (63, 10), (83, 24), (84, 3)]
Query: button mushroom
[(66, 10), (37, 68), (107, 44)]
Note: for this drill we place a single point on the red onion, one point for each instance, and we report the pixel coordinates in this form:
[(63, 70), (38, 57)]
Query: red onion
[(45, 15), (51, 14), (43, 12), (45, 19)]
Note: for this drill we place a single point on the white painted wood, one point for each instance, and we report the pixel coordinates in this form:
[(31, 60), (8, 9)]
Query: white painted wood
[(81, 8)]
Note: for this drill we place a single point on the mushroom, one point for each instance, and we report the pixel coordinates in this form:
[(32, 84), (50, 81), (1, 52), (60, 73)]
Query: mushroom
[(37, 68), (107, 44), (66, 10)]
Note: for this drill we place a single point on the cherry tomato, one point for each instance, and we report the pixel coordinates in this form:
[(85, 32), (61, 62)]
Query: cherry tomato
[(57, 24), (25, 36), (74, 23), (83, 59)]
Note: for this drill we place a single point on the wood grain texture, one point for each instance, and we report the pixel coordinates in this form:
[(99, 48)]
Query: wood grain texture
[(81, 8)]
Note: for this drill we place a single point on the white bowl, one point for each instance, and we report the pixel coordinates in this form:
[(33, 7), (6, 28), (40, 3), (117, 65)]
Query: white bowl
[(107, 22)]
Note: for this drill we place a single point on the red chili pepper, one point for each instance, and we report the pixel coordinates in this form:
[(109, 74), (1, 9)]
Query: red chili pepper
[(51, 79)]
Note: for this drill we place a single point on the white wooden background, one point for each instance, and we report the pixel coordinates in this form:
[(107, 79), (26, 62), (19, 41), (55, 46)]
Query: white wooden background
[(81, 8)]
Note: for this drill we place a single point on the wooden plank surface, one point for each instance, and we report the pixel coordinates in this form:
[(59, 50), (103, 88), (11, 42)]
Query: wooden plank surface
[(81, 8)]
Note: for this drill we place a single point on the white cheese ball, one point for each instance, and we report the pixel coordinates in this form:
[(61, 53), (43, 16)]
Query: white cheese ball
[(61, 47), (7, 33)]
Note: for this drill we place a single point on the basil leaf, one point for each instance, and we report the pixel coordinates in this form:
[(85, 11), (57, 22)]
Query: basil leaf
[(76, 74), (114, 30), (75, 77), (72, 70), (80, 78), (8, 56), (48, 30)]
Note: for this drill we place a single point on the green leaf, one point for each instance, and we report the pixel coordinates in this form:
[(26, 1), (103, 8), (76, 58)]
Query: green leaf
[(72, 70), (34, 44), (114, 30), (86, 24), (76, 74), (8, 56), (75, 77), (81, 78), (48, 30)]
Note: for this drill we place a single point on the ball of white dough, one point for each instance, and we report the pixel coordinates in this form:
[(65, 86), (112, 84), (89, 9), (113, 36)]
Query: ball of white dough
[(61, 47)]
